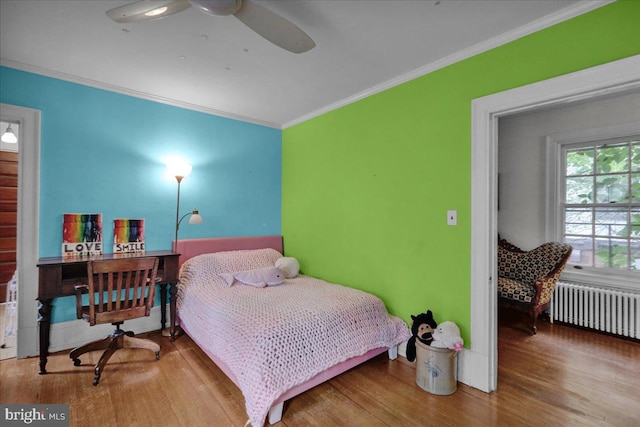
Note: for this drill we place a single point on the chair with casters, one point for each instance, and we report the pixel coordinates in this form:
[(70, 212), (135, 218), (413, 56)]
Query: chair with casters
[(526, 279), (118, 290)]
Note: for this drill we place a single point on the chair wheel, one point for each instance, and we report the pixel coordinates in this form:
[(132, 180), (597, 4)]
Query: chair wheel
[(76, 362), (96, 380), (157, 355)]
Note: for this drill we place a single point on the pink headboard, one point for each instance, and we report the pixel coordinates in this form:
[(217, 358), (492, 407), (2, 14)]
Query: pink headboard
[(188, 248)]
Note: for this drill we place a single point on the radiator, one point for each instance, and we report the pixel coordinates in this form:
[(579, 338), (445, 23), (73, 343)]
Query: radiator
[(616, 312)]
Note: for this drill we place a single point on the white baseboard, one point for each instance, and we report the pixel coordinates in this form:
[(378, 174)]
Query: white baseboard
[(28, 348), (471, 370), (402, 349), (68, 335)]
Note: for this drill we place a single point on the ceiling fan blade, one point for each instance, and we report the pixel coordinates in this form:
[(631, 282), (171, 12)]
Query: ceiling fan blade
[(274, 28), (147, 10), (217, 7)]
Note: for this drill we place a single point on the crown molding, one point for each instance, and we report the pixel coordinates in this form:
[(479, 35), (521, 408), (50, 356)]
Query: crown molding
[(547, 21), (130, 92)]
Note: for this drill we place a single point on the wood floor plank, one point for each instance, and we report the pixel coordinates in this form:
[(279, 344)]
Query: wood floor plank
[(216, 383), (563, 376), (326, 406)]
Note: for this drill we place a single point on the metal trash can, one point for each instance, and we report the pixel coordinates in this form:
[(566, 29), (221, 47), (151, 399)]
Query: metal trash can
[(436, 369)]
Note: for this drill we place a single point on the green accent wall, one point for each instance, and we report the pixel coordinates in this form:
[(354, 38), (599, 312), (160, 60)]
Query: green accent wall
[(366, 187)]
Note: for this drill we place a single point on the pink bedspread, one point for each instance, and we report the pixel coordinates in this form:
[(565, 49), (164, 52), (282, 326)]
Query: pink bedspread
[(277, 337)]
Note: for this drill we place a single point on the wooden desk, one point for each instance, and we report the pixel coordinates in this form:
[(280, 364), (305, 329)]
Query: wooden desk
[(58, 277)]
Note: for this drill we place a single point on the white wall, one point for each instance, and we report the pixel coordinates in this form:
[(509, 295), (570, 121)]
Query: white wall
[(522, 164)]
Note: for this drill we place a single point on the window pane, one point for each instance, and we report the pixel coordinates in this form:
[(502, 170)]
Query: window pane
[(612, 253), (582, 253), (635, 222), (635, 188), (578, 221), (611, 222), (580, 162), (612, 158), (612, 188), (635, 255), (635, 156), (579, 190)]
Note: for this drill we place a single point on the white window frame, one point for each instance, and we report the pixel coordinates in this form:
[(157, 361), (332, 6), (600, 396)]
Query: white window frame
[(554, 226)]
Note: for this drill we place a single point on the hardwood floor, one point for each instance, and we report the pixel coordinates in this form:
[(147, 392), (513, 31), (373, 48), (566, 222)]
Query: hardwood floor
[(561, 377)]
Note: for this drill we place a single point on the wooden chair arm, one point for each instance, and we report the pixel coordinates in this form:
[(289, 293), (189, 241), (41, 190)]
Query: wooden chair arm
[(548, 283), (80, 289)]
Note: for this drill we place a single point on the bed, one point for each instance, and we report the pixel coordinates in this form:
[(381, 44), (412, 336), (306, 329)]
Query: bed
[(278, 341)]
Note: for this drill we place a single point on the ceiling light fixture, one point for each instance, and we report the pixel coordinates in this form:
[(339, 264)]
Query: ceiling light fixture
[(157, 11), (8, 136)]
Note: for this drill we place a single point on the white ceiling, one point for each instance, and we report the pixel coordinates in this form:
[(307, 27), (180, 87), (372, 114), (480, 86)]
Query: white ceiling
[(217, 65)]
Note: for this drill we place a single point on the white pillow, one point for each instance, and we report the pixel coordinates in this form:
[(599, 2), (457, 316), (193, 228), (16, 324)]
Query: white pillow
[(289, 266)]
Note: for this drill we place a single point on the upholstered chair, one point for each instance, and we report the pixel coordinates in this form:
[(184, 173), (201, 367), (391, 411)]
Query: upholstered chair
[(526, 279)]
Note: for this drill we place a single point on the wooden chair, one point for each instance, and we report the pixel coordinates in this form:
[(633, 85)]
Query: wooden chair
[(119, 290), (526, 279)]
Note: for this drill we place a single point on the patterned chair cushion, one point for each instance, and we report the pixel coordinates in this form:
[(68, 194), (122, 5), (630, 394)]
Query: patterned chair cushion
[(515, 290)]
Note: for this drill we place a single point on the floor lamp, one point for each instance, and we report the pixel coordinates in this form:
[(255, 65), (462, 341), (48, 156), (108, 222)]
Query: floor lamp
[(180, 171)]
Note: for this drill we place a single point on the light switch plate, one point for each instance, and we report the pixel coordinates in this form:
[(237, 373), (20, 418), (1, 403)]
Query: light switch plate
[(452, 217)]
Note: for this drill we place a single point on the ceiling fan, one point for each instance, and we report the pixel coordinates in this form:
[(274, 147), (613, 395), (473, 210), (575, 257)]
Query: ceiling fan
[(263, 21)]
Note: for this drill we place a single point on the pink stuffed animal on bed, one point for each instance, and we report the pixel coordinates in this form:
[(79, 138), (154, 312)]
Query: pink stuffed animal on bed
[(447, 335)]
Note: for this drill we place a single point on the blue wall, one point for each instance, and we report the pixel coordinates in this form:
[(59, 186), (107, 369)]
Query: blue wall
[(104, 152)]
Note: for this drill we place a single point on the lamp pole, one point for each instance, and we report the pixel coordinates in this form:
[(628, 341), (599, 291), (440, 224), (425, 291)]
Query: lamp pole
[(179, 179)]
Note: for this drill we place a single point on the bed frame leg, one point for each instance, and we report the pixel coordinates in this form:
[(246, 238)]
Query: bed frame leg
[(275, 413), (393, 352)]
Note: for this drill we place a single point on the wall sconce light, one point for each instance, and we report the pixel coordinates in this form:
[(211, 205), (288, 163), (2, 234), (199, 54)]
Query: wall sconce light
[(180, 170), (8, 136)]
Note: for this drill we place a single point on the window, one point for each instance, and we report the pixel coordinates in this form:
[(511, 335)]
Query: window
[(595, 203), (602, 204)]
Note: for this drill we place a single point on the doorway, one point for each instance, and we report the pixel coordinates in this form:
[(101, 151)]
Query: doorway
[(481, 362), (9, 151), (28, 196)]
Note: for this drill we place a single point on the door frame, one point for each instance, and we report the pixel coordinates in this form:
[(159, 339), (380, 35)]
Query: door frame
[(27, 247), (614, 77)]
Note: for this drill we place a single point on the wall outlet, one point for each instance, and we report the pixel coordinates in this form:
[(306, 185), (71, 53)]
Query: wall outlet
[(452, 217)]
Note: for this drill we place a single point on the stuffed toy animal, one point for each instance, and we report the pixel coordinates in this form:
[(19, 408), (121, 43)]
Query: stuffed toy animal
[(422, 327), (447, 335), (259, 277)]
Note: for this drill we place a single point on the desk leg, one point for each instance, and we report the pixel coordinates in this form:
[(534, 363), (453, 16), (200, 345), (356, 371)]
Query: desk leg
[(163, 305), (44, 321), (173, 290)]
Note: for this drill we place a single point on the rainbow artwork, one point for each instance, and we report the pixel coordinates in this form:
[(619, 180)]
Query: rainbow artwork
[(81, 234), (128, 235)]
